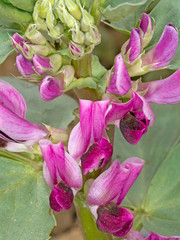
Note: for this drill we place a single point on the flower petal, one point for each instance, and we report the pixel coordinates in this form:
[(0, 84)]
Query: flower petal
[(120, 82), (24, 66), (154, 236), (134, 165), (108, 185), (99, 111), (49, 158), (18, 129), (115, 220), (161, 55), (12, 99), (134, 235), (51, 88), (165, 91)]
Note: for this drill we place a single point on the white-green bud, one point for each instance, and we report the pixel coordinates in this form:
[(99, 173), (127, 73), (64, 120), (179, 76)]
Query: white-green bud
[(77, 35), (76, 50), (93, 36), (73, 9), (86, 21), (34, 35)]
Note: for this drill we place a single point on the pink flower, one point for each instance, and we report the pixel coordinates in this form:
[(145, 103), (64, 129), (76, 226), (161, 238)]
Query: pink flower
[(108, 191)]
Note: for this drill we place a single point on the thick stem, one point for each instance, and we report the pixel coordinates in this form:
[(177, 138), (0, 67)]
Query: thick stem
[(87, 221), (83, 66)]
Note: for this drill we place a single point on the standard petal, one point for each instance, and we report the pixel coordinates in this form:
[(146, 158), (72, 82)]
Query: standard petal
[(134, 165), (67, 167), (165, 91), (161, 55), (14, 128), (118, 111), (114, 219), (120, 82), (98, 115), (154, 236), (12, 99), (108, 185), (51, 88), (49, 158)]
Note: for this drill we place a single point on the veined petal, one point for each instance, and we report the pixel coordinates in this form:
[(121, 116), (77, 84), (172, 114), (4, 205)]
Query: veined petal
[(165, 91), (49, 158), (14, 128), (108, 185), (51, 88), (98, 115), (134, 165), (12, 99), (114, 219), (24, 66), (161, 55), (120, 82), (67, 167), (118, 111)]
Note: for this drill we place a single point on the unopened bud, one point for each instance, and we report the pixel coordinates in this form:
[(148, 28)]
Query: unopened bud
[(18, 41), (68, 74), (44, 7), (76, 50), (47, 65), (24, 66), (86, 21), (73, 9), (77, 36), (93, 36), (34, 35)]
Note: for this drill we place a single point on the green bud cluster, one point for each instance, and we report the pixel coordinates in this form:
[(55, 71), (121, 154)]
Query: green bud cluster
[(70, 21)]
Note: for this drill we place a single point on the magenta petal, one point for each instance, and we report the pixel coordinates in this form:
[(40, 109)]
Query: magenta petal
[(18, 129), (118, 111), (98, 116), (12, 99), (67, 167), (18, 40), (154, 236), (134, 45), (120, 82), (24, 66), (165, 91), (114, 219), (132, 129), (41, 64), (146, 23), (134, 235), (98, 155), (134, 165), (49, 157), (51, 88), (165, 49), (108, 185), (61, 197)]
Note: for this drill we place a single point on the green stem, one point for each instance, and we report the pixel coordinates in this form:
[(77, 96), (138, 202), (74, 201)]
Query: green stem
[(137, 225), (87, 221), (83, 66), (95, 10), (18, 157)]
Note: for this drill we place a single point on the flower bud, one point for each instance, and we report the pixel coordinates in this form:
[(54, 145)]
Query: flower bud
[(146, 30), (93, 36), (24, 66), (68, 74), (47, 65), (18, 41), (44, 7), (73, 9), (51, 88), (34, 35), (114, 219), (77, 35), (86, 21), (97, 157), (76, 50), (61, 197)]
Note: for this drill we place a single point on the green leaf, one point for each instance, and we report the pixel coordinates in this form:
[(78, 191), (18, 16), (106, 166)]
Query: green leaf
[(163, 199), (98, 70), (165, 12), (153, 148), (6, 47), (27, 5), (123, 15), (57, 113), (24, 204)]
